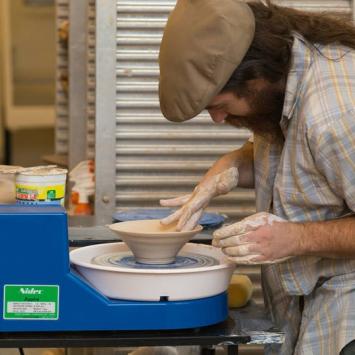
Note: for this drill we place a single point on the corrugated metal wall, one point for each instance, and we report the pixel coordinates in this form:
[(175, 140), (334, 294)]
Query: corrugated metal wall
[(334, 6), (62, 72)]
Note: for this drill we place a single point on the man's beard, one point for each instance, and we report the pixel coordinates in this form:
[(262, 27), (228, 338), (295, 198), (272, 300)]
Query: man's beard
[(264, 120)]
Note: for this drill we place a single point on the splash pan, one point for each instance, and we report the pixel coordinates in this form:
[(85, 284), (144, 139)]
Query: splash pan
[(199, 271), (182, 261)]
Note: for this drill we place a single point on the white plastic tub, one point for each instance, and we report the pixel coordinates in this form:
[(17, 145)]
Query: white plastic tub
[(41, 185)]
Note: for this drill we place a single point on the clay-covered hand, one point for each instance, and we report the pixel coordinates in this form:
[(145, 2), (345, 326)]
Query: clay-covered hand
[(262, 238), (192, 205)]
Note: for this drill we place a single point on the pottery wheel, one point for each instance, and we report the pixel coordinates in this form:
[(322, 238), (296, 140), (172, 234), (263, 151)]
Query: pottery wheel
[(183, 260), (199, 271)]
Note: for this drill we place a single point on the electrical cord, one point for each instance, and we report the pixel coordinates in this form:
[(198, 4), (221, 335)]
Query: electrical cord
[(21, 351)]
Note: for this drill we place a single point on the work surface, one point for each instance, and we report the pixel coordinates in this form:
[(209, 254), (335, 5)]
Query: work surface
[(249, 324)]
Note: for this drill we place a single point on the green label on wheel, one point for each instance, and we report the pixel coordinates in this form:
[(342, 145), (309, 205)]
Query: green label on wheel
[(31, 302)]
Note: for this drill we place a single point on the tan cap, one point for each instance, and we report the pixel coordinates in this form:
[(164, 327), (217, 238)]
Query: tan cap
[(204, 41)]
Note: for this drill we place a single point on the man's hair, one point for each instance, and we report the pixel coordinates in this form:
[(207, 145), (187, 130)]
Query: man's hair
[(269, 55)]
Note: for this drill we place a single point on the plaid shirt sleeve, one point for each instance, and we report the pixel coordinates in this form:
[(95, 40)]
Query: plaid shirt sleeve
[(333, 147)]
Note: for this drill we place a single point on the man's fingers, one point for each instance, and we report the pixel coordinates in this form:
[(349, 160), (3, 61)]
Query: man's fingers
[(234, 240), (240, 250), (177, 201), (215, 243), (247, 260), (186, 220), (233, 229), (248, 224), (260, 259), (255, 259), (172, 218), (193, 221), (187, 212)]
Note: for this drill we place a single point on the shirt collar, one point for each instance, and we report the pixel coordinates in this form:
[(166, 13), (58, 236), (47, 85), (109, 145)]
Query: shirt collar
[(301, 61)]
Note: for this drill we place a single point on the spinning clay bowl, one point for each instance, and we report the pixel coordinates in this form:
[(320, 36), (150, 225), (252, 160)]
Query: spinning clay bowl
[(151, 242)]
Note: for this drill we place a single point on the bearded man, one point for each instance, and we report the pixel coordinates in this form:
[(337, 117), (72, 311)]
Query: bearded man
[(289, 77)]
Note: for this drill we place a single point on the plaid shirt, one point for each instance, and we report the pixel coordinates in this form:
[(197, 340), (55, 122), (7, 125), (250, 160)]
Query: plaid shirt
[(311, 178)]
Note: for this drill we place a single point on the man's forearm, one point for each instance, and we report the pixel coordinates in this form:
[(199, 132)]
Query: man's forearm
[(241, 158), (266, 238), (334, 239)]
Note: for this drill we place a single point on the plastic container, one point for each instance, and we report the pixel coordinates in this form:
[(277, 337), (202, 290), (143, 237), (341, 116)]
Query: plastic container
[(41, 185), (83, 179), (80, 201), (7, 183)]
